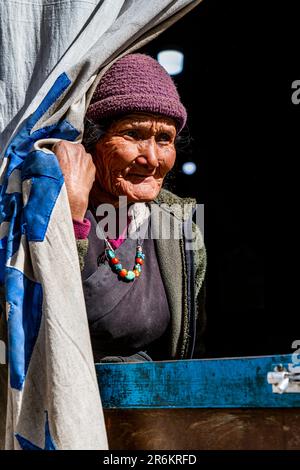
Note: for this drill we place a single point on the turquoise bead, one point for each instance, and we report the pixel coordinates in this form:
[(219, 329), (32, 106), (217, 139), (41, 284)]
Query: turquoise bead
[(117, 267), (138, 267), (130, 276), (110, 254)]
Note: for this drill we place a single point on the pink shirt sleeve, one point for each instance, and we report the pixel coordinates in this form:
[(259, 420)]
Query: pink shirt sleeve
[(81, 228)]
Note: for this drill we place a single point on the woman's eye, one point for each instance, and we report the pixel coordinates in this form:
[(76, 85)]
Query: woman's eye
[(131, 133), (163, 137)]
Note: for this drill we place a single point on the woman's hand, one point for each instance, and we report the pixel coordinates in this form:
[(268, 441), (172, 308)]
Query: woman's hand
[(79, 173)]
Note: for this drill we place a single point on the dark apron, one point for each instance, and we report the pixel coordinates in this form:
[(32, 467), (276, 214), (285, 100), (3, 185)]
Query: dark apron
[(125, 319)]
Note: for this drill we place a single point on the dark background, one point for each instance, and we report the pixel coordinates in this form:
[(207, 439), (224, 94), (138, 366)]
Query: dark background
[(223, 86)]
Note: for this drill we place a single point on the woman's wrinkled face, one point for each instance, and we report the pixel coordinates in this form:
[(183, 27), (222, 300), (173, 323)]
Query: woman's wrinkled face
[(134, 156)]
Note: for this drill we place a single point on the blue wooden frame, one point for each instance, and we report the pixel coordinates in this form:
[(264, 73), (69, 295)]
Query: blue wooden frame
[(204, 383)]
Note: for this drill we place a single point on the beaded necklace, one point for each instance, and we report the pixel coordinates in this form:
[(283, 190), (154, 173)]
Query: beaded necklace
[(126, 275)]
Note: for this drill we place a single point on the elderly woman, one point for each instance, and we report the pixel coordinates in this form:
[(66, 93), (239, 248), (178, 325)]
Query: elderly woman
[(143, 294)]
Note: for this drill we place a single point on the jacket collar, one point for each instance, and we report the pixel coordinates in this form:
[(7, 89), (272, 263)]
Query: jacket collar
[(180, 208)]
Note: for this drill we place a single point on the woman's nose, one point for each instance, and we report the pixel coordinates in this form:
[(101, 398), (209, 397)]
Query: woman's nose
[(148, 154)]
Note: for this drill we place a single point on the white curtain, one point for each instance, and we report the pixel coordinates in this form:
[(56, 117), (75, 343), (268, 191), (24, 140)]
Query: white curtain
[(53, 52)]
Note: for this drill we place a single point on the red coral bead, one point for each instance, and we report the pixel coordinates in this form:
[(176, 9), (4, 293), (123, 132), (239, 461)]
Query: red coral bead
[(114, 260), (139, 260), (136, 272), (123, 272)]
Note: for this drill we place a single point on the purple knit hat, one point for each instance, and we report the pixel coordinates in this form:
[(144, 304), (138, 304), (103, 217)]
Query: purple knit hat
[(136, 83)]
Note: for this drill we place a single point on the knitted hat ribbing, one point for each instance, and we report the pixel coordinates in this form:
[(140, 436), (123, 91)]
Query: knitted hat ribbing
[(136, 83)]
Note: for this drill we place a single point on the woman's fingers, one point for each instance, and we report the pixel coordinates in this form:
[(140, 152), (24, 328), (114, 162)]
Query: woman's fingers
[(79, 173)]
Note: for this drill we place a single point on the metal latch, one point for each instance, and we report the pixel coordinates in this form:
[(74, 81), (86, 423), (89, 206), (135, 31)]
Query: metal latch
[(285, 380)]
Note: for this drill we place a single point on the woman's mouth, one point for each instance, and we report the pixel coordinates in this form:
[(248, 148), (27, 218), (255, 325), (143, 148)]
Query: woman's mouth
[(139, 176)]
